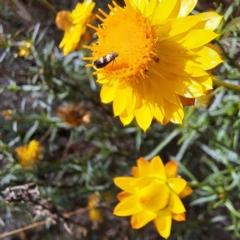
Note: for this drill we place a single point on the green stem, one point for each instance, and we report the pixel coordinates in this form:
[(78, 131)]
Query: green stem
[(226, 85), (162, 144)]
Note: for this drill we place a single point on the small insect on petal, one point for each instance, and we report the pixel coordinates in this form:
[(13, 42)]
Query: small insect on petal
[(105, 60)]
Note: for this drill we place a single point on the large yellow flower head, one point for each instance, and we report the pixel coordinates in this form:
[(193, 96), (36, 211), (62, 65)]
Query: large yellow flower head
[(74, 25), (29, 154), (152, 194), (161, 58)]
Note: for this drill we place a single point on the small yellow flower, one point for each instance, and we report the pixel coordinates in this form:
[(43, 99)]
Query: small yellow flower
[(25, 48), (74, 25), (74, 115), (163, 58), (95, 215), (152, 194), (29, 154)]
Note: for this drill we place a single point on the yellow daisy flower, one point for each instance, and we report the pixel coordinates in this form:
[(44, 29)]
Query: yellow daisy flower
[(152, 59), (25, 48), (74, 25), (152, 194), (29, 154)]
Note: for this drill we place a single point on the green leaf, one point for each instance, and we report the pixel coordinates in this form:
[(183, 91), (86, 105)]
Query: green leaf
[(232, 26)]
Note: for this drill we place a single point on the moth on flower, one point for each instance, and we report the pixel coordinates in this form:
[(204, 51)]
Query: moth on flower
[(105, 60)]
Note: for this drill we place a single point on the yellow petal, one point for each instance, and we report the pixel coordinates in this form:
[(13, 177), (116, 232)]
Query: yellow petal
[(157, 105), (140, 219), (164, 9), (141, 182), (122, 195), (151, 8), (194, 38), (176, 9), (173, 112), (206, 82), (125, 183), (140, 5), (186, 191), (143, 167), (211, 19), (181, 25), (126, 118), (157, 168), (101, 79), (183, 65), (179, 217), (209, 57), (155, 196), (119, 102), (82, 11), (177, 184), (158, 112), (132, 100), (70, 39), (135, 172), (175, 204), (128, 206), (171, 169), (163, 223), (164, 90), (143, 117), (186, 7), (186, 87), (107, 93)]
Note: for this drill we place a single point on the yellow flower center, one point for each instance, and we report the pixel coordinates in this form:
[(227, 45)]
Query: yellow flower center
[(64, 20), (144, 200), (128, 33)]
